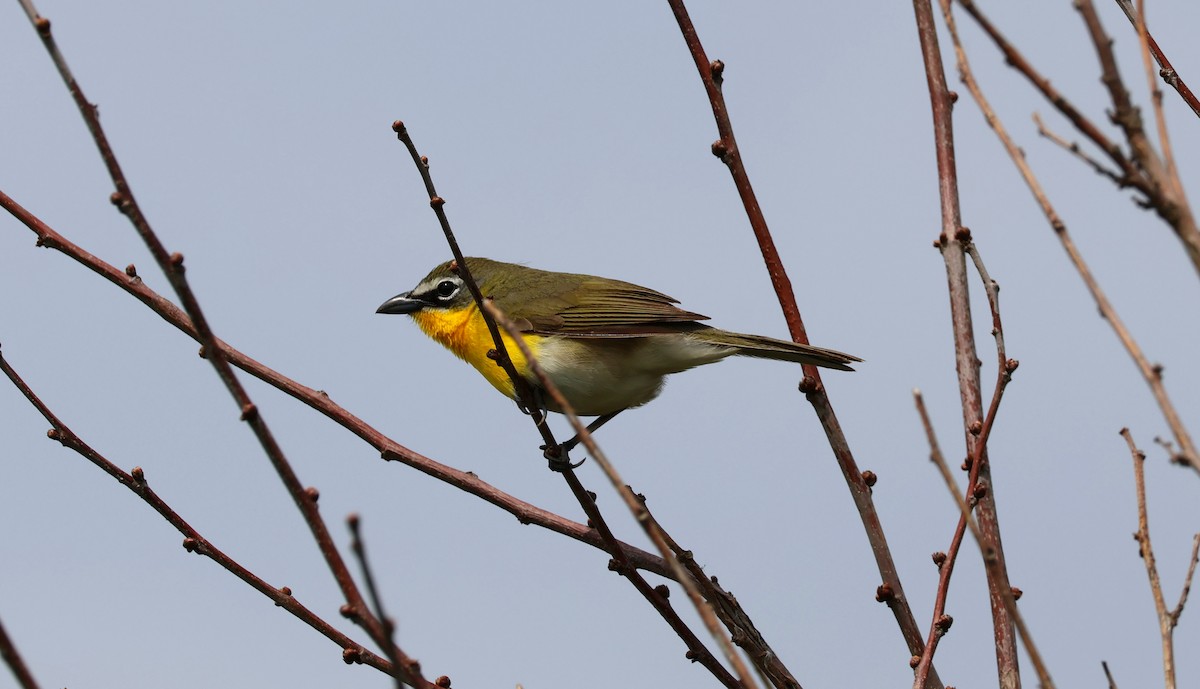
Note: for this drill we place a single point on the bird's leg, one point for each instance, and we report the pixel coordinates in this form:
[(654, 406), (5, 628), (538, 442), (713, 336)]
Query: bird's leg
[(591, 428), (557, 455)]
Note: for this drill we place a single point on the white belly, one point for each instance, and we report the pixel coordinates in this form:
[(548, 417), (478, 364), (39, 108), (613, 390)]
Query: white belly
[(604, 375)]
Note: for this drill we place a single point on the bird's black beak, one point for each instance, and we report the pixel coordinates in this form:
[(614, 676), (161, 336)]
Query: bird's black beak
[(401, 303)]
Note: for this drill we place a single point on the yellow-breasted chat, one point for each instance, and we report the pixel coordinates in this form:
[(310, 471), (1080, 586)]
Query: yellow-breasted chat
[(606, 344)]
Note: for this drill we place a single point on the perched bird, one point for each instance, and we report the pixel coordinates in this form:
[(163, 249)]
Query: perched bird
[(606, 344)]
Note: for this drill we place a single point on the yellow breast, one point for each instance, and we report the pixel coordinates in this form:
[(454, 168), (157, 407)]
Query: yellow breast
[(465, 333)]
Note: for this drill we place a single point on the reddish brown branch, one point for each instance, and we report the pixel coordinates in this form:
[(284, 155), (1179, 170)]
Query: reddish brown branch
[(12, 658), (1166, 69), (193, 541), (726, 148), (952, 243), (990, 561)]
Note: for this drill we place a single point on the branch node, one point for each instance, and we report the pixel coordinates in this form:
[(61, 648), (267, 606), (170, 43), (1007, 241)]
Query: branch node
[(139, 476), (869, 478), (885, 594), (312, 493), (249, 412)]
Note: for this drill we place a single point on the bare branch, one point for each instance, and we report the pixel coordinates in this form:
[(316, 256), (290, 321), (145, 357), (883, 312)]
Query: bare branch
[(990, 560), (726, 148), (1152, 374), (1166, 69), (1167, 619), (386, 626), (193, 541), (1112, 684), (1071, 147), (12, 658), (952, 244)]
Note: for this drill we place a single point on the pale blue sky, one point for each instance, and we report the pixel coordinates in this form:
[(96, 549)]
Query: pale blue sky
[(257, 138)]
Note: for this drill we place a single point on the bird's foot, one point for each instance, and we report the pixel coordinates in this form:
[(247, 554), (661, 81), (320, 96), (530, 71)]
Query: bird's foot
[(557, 457)]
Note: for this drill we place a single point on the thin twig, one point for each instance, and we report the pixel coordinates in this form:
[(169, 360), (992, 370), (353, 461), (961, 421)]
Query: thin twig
[(193, 541), (726, 148), (12, 658), (1166, 69), (952, 244), (634, 502), (387, 626), (1187, 582), (1071, 147), (990, 560), (1112, 683), (1152, 374), (1156, 99), (1167, 619), (1130, 174)]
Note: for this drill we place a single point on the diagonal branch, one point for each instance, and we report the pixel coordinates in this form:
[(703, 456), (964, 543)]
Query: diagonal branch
[(193, 541), (12, 658), (726, 148), (1166, 69)]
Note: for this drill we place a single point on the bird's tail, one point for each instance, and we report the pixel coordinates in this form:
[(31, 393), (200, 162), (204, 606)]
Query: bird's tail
[(780, 350)]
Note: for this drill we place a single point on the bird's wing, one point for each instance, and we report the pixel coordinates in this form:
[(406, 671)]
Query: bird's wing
[(587, 306)]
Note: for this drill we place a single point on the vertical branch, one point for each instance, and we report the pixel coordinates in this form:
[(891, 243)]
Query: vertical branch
[(1167, 619), (952, 243), (890, 590)]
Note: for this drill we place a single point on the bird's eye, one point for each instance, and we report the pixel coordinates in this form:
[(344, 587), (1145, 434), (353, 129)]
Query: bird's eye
[(446, 289)]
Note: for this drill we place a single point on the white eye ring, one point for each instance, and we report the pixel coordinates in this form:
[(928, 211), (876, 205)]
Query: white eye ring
[(446, 289)]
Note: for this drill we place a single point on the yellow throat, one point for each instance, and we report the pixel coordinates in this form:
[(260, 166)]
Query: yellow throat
[(464, 332)]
